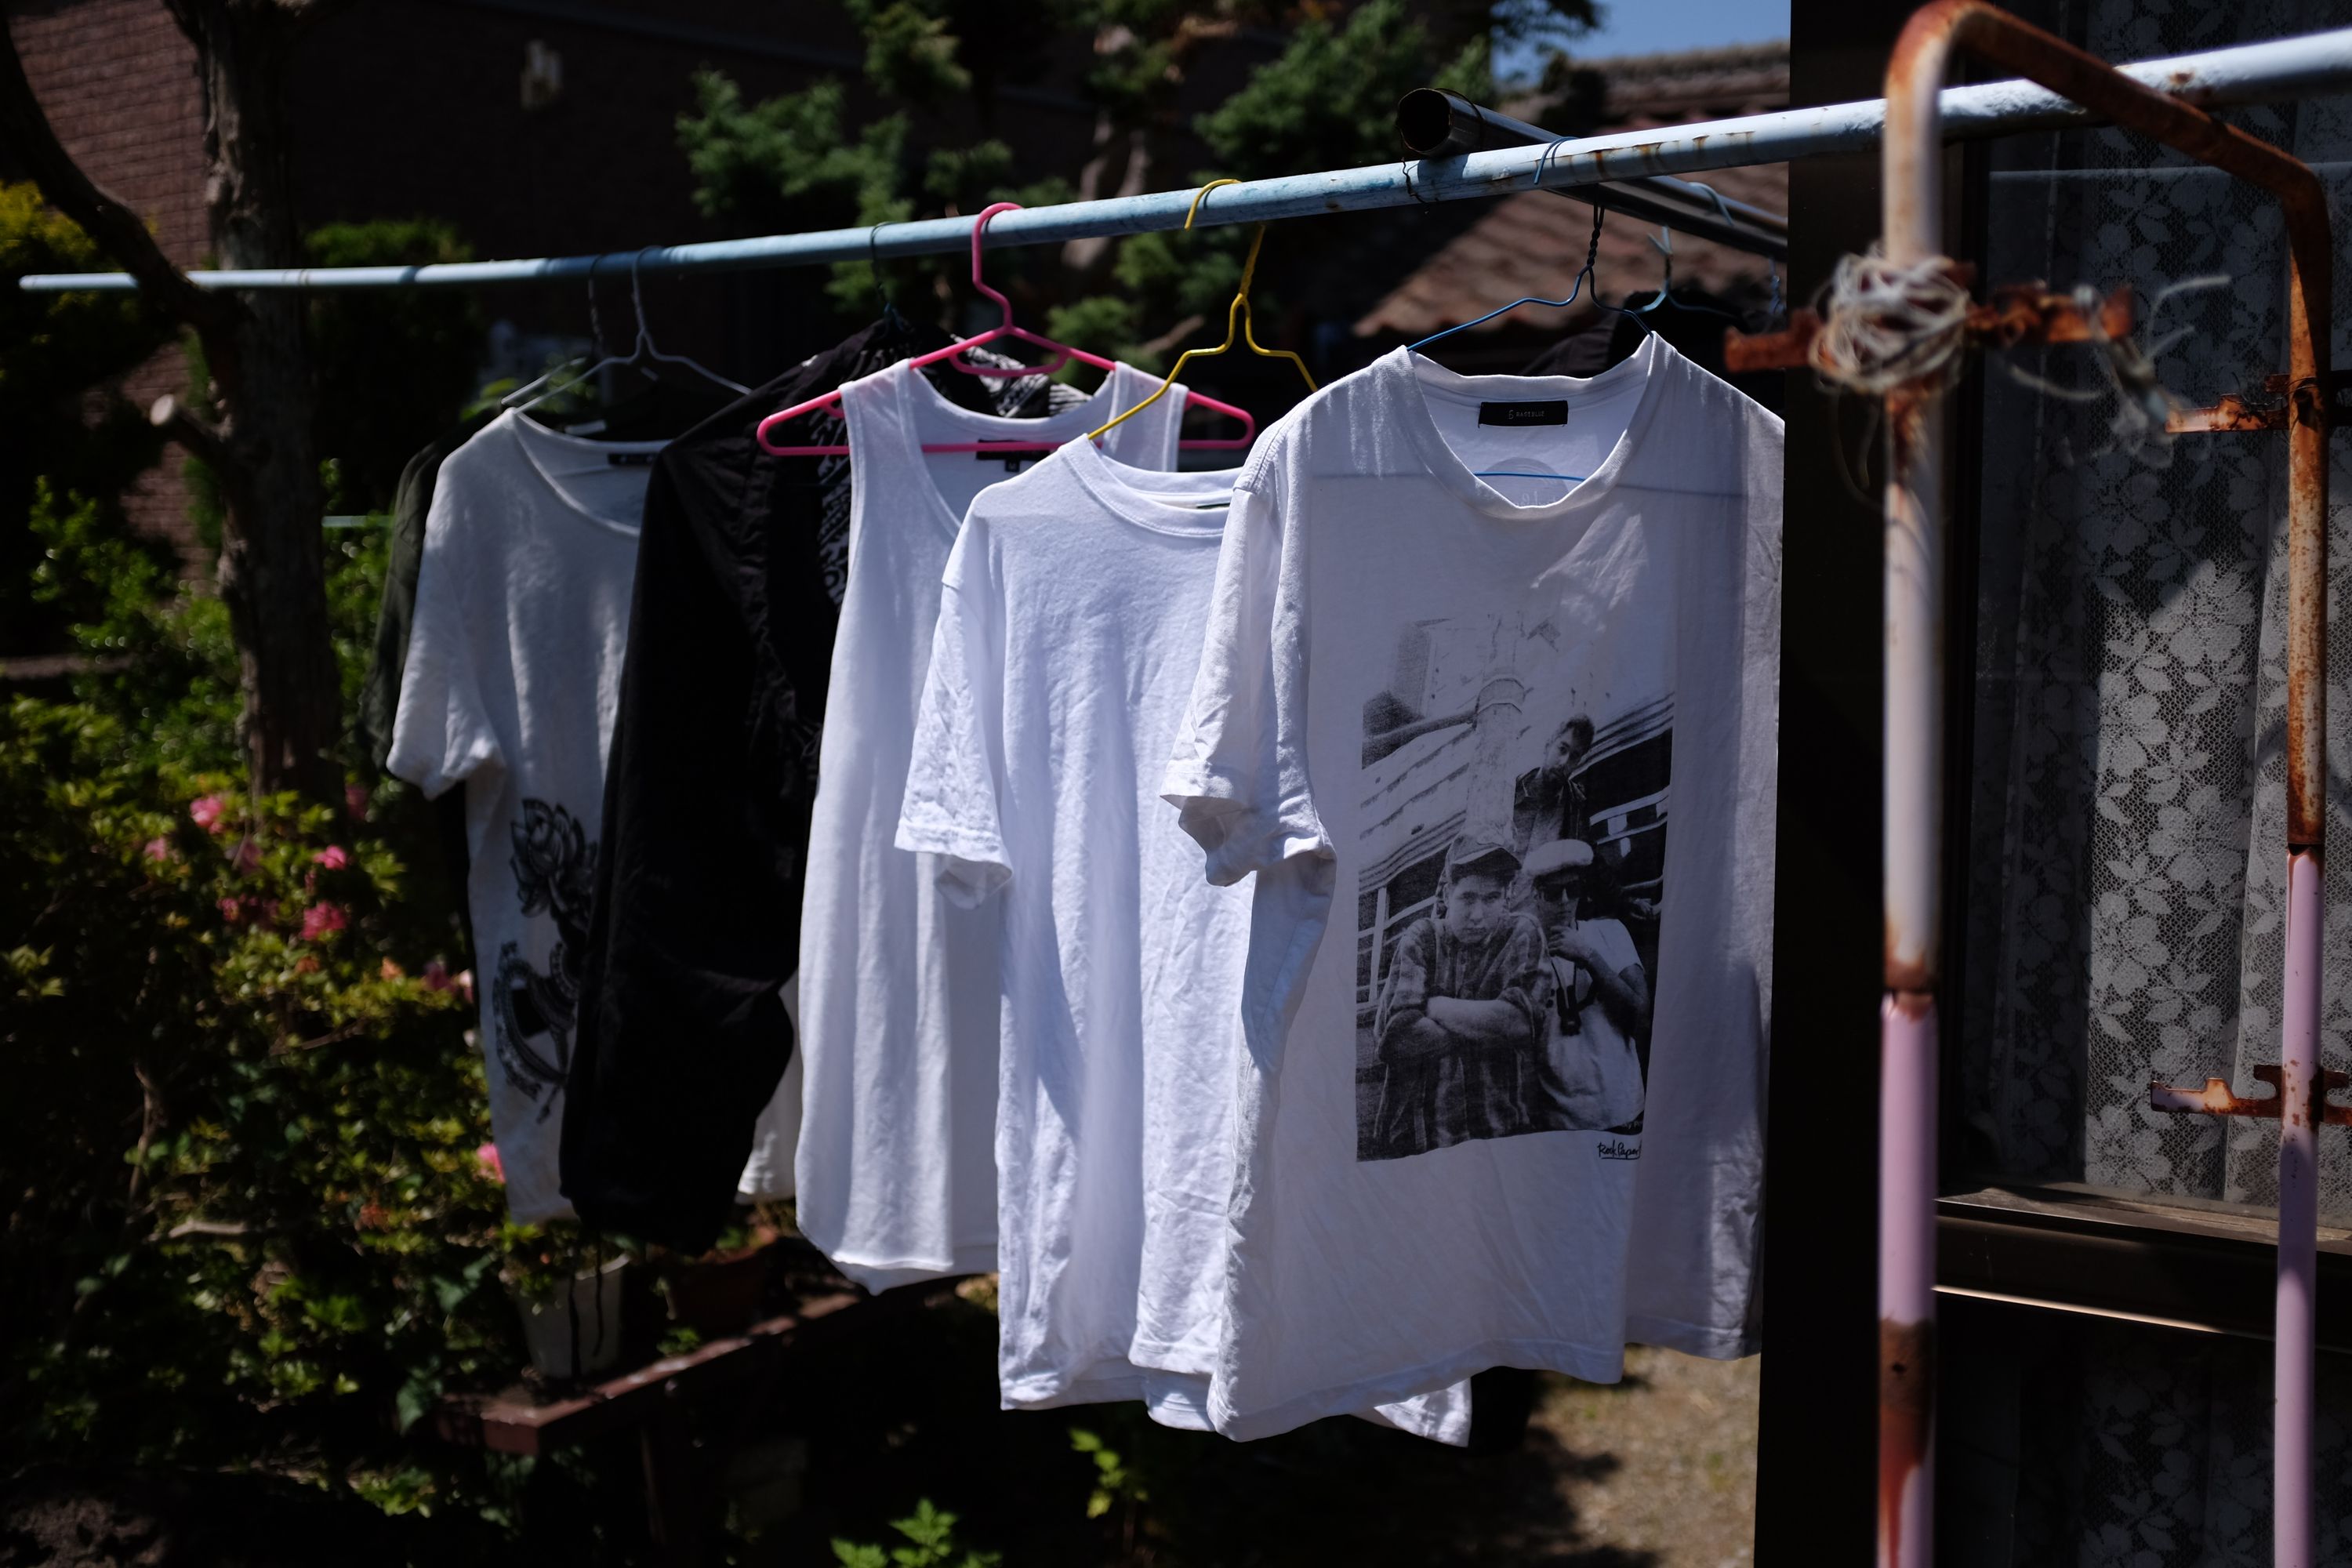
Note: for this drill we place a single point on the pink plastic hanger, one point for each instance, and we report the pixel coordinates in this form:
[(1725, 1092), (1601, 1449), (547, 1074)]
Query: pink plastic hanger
[(1063, 353)]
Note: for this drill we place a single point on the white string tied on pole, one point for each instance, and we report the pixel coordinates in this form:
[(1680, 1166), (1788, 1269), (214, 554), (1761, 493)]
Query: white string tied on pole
[(1888, 326)]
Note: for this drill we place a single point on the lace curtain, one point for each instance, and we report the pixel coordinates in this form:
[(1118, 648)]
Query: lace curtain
[(2126, 848), (2128, 859)]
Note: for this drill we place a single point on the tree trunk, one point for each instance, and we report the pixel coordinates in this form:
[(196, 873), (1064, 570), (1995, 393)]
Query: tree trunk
[(273, 560)]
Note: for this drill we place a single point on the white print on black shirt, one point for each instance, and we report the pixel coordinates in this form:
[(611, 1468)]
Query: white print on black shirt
[(1514, 850), (554, 865)]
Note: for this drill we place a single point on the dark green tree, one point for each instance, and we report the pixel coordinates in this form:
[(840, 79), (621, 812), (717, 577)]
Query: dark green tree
[(939, 69), (62, 422), (395, 369)]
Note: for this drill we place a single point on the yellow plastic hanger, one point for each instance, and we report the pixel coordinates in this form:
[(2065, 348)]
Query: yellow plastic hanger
[(1237, 317)]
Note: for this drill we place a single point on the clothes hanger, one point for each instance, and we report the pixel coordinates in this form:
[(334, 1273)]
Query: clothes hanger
[(645, 337), (641, 350), (1063, 354), (897, 325), (1238, 314), (1664, 246), (1576, 287), (1592, 256), (524, 394)]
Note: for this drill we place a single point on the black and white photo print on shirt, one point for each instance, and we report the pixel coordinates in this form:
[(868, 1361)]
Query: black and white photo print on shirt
[(1514, 799)]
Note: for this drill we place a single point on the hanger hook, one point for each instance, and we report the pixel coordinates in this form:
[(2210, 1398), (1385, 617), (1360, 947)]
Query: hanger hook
[(1664, 246), (595, 317), (1552, 151), (874, 271), (1194, 210), (978, 225), (637, 298)]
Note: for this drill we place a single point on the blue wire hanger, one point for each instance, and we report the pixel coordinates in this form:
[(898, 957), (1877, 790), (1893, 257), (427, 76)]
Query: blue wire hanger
[(1664, 246), (1592, 252)]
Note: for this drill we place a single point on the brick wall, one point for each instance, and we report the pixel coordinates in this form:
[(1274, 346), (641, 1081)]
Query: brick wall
[(119, 84)]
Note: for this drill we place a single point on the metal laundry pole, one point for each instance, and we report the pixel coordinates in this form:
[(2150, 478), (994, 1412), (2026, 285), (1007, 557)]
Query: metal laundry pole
[(2286, 67)]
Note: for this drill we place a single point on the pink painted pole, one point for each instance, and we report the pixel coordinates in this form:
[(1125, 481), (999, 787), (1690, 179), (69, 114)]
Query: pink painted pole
[(1906, 1283), (2293, 1367)]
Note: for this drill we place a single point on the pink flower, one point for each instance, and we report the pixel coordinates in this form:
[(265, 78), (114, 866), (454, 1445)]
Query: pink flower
[(465, 984), (488, 1155), (355, 799), (245, 857), (321, 919), (233, 911), (332, 857), (208, 812), (159, 851), (436, 977)]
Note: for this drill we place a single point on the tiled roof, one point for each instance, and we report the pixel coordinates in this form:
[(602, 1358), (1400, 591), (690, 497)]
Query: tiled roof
[(1534, 243)]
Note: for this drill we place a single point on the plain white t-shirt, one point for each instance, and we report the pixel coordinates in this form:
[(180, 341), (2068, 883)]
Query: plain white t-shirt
[(895, 1171), (1395, 645), (1070, 629)]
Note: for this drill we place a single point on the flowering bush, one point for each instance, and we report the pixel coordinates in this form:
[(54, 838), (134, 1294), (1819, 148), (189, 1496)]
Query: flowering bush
[(244, 1217), (244, 1130)]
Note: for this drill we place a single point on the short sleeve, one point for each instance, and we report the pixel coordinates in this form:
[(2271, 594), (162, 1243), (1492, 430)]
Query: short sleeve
[(1238, 775), (950, 808), (1614, 943), (442, 733)]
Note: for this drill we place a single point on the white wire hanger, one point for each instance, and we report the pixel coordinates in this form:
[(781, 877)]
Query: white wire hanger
[(642, 353)]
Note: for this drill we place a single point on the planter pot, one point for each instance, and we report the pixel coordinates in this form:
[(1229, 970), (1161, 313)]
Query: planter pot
[(592, 1303), (721, 1292)]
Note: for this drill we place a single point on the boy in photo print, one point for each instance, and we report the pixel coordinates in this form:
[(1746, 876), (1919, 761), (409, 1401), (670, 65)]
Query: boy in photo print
[(1461, 1020), (1591, 1073)]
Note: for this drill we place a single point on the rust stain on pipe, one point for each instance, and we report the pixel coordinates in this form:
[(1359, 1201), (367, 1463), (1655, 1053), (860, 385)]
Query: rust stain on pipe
[(1917, 66), (2232, 412), (2019, 313), (1906, 1415)]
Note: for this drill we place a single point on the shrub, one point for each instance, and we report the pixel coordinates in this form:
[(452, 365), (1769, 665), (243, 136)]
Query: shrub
[(243, 1215)]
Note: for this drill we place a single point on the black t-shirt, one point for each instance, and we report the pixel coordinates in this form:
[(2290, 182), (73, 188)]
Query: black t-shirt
[(682, 1034)]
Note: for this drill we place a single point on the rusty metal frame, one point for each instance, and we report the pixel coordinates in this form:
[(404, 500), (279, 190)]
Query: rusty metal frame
[(1911, 170)]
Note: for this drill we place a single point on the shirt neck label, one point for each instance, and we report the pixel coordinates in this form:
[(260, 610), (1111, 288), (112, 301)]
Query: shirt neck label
[(1551, 412)]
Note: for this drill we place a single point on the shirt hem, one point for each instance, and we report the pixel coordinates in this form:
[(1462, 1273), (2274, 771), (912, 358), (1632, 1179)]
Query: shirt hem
[(1586, 1362), (880, 1274), (1693, 1339)]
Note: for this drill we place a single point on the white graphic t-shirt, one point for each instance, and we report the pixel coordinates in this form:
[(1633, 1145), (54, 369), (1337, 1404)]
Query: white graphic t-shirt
[(1069, 631), (513, 677), (896, 1170), (1421, 669)]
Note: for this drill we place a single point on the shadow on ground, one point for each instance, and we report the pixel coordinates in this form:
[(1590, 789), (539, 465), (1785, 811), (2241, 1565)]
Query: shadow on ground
[(1657, 1473)]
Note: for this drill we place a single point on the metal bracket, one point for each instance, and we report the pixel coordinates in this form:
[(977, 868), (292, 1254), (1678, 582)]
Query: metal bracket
[(2217, 1098), (2016, 313)]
